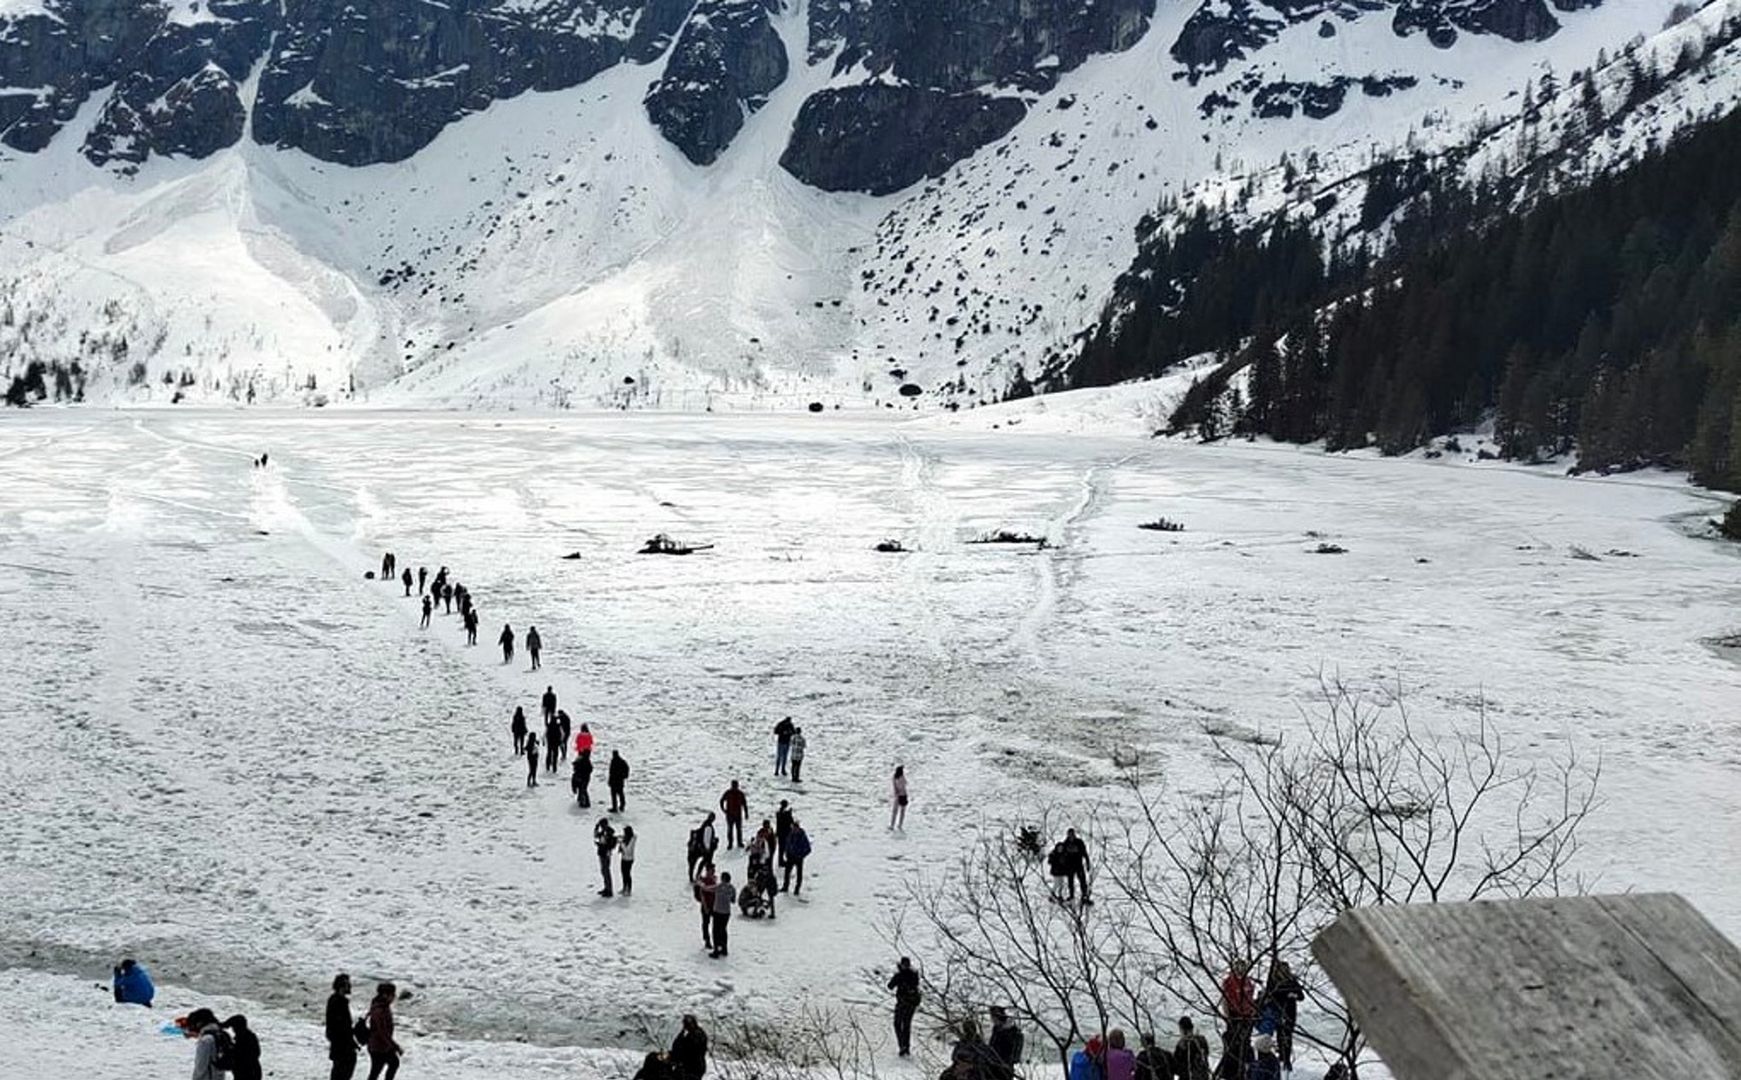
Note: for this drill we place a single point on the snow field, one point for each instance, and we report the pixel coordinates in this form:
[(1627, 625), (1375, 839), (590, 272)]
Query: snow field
[(239, 761)]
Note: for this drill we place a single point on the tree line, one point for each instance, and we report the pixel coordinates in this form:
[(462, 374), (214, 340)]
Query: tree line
[(1605, 318)]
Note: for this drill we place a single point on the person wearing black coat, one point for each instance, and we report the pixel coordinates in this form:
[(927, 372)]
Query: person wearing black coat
[(532, 760), (518, 727), (1006, 1039), (341, 1036), (243, 1060), (689, 1049), (618, 778), (905, 983), (1153, 1062), (582, 778)]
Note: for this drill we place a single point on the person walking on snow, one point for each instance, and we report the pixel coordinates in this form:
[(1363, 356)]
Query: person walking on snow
[(534, 645), (905, 983), (531, 759), (1006, 1041), (1190, 1053), (583, 741), (617, 778), (341, 1036), (735, 805), (548, 701), (898, 800), (797, 755), (725, 894), (518, 727), (426, 613), (243, 1060), (626, 852), (422, 579), (582, 779), (406, 578), (567, 726), (506, 641), (704, 887), (552, 744), (447, 599), (782, 745), (384, 1051), (783, 818), (387, 566), (1069, 861), (470, 618), (605, 838), (208, 1052), (797, 850)]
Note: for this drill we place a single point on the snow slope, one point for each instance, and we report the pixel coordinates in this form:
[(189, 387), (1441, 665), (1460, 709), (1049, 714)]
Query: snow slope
[(234, 757), (553, 250)]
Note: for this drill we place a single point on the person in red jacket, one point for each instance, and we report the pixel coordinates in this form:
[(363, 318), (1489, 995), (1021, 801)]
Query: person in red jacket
[(583, 741), (1239, 1010), (735, 804)]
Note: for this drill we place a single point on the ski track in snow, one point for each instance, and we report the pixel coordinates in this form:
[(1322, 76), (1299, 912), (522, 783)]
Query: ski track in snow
[(240, 761)]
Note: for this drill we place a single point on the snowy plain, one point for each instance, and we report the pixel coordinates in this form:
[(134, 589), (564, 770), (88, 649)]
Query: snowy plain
[(231, 756)]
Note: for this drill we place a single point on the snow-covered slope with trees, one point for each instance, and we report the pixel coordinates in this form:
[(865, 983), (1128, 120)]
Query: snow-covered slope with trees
[(735, 203)]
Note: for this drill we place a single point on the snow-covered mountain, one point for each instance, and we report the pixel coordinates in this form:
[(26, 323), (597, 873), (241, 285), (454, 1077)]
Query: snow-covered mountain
[(671, 203)]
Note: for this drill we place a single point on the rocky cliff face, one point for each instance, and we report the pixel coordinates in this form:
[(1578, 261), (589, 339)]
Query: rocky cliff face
[(917, 85)]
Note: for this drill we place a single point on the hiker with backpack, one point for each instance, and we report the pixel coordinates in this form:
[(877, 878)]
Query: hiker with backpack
[(341, 1038), (618, 778), (534, 645), (213, 1046), (1068, 863), (384, 1052), (604, 837), (518, 727), (532, 760), (506, 641), (905, 983)]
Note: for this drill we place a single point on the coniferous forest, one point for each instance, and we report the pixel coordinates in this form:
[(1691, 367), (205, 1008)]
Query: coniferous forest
[(1606, 318)]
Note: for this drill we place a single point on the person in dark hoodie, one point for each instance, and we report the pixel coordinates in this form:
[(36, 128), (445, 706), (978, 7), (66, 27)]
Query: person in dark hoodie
[(782, 745), (243, 1060), (905, 983), (618, 779), (518, 727), (1006, 1039), (548, 702), (532, 760), (582, 779), (341, 1038), (426, 610), (384, 1051), (506, 641), (534, 645), (406, 579), (689, 1049), (471, 625), (1279, 1009), (552, 744)]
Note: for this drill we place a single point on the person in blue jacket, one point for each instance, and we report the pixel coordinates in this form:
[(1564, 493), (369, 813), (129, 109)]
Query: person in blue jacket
[(1089, 1063), (133, 984)]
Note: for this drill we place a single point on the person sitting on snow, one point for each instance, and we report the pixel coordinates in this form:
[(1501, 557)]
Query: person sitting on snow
[(133, 984)]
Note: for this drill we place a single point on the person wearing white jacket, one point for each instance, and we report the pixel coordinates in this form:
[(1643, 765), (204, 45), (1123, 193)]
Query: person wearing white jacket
[(898, 800)]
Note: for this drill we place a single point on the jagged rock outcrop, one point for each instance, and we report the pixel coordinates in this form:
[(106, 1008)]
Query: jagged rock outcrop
[(726, 62), (877, 138)]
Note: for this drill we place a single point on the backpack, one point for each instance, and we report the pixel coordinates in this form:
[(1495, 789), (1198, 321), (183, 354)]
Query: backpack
[(223, 1046), (1055, 861), (360, 1030)]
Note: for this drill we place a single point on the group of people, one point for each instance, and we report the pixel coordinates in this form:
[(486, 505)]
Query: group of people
[(441, 593), (373, 1031), (1258, 1042)]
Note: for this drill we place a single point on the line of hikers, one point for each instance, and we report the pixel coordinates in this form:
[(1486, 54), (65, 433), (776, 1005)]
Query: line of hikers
[(441, 593)]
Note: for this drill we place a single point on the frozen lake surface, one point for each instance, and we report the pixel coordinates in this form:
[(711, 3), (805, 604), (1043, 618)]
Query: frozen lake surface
[(228, 754)]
